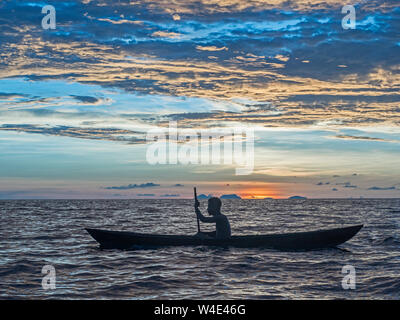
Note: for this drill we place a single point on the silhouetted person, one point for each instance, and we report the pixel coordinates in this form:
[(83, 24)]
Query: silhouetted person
[(223, 228)]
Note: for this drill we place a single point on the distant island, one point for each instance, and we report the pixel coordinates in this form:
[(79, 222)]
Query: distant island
[(203, 196), (268, 198), (297, 198), (230, 196)]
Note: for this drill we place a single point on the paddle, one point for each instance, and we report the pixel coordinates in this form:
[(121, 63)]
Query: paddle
[(195, 199)]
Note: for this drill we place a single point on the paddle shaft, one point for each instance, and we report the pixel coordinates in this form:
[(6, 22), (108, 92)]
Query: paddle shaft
[(195, 199)]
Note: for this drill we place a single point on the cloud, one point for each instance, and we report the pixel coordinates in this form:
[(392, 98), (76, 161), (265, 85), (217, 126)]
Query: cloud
[(145, 194), (346, 185), (210, 48), (11, 96), (195, 115), (86, 99), (205, 65), (381, 188), (165, 34), (112, 134), (258, 51), (349, 137), (134, 186)]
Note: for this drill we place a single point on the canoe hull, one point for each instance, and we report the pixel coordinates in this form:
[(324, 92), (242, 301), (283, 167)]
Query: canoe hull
[(288, 241)]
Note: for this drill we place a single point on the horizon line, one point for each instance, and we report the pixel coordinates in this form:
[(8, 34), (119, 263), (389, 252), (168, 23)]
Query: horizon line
[(165, 198)]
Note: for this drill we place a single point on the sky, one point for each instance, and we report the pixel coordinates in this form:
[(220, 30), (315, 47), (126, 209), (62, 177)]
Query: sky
[(77, 101)]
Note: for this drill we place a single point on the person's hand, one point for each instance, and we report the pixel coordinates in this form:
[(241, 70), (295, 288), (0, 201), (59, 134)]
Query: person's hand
[(201, 235)]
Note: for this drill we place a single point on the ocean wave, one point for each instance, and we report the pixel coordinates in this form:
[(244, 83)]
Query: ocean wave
[(38, 233)]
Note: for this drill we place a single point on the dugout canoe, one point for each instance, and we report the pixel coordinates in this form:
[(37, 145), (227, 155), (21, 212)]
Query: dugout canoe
[(287, 241)]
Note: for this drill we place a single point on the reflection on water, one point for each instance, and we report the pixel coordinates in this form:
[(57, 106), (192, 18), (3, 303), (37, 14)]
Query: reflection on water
[(35, 233)]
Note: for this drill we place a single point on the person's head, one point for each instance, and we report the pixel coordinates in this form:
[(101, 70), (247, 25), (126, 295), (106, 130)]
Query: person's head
[(214, 206)]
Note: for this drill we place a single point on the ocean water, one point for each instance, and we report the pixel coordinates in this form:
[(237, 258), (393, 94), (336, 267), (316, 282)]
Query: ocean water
[(34, 233)]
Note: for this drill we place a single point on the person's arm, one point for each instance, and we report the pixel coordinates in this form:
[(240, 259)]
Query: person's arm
[(203, 218), (200, 216)]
